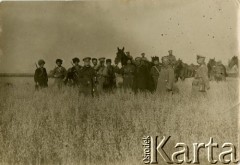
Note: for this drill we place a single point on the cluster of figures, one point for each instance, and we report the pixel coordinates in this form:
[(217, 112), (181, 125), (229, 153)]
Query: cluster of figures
[(99, 76)]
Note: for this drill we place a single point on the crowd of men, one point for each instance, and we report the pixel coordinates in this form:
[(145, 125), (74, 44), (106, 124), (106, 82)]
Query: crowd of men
[(98, 76)]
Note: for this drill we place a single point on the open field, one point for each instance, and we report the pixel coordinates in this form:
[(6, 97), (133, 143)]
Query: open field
[(50, 126)]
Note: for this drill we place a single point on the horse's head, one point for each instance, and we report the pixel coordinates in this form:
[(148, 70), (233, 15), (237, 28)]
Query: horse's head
[(233, 61), (211, 62), (119, 55), (122, 57)]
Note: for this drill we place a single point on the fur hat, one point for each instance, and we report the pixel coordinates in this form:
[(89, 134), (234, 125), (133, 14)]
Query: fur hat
[(75, 60)]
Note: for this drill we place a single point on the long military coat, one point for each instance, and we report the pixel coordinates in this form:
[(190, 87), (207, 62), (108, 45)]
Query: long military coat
[(87, 80), (165, 80), (201, 81)]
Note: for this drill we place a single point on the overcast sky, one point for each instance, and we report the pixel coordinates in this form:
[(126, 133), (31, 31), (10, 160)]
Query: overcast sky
[(49, 30)]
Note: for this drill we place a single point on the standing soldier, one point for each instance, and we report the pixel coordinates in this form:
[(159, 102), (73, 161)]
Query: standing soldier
[(101, 72), (87, 78), (140, 82), (40, 76), (59, 73), (110, 79), (172, 58), (155, 71), (166, 77), (201, 81), (95, 63), (143, 57), (128, 72), (73, 72)]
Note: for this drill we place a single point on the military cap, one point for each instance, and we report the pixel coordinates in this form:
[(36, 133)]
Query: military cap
[(59, 60), (143, 54), (102, 59), (94, 59), (199, 56), (87, 59), (75, 60), (40, 62), (108, 60)]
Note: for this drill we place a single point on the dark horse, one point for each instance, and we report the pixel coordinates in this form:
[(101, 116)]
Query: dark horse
[(183, 70), (142, 75), (211, 68), (216, 70), (233, 61)]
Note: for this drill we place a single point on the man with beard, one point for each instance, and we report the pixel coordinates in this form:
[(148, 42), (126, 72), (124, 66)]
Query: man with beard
[(59, 73)]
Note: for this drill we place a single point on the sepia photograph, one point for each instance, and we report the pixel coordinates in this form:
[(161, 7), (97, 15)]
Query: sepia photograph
[(119, 82)]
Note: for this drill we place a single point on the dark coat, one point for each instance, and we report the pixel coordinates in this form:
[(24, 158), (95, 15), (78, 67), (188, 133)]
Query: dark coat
[(87, 77), (141, 78), (41, 77)]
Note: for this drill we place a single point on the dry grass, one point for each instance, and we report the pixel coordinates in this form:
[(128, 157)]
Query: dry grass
[(51, 127)]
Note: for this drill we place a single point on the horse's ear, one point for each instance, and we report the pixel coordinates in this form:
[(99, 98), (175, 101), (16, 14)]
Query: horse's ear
[(118, 48), (123, 49)]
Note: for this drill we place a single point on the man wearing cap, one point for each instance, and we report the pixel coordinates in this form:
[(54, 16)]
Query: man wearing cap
[(101, 73), (155, 71), (87, 78), (172, 58), (40, 76), (110, 79), (59, 73), (73, 72), (166, 77), (201, 81), (143, 57), (128, 72)]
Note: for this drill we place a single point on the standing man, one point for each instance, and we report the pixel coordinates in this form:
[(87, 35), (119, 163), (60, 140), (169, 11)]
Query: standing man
[(101, 72), (143, 57), (59, 73), (201, 81), (128, 72), (73, 72), (40, 76), (95, 63), (155, 71), (110, 79), (140, 82), (166, 77), (87, 78), (172, 58)]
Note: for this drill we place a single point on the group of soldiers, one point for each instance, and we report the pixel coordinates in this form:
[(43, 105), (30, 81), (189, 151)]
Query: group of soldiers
[(98, 76)]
